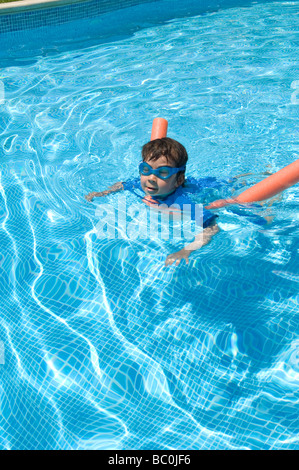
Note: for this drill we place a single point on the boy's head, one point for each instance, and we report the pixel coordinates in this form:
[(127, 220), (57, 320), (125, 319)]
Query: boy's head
[(159, 153)]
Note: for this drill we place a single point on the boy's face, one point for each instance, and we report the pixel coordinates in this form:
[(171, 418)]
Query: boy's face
[(154, 186)]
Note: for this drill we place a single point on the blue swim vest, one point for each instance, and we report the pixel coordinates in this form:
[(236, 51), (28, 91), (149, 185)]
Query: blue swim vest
[(179, 197)]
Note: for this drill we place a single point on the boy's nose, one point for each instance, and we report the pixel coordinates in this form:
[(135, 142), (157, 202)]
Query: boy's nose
[(152, 178)]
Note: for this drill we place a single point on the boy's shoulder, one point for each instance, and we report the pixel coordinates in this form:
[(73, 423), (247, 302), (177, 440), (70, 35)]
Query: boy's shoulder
[(193, 185), (182, 195)]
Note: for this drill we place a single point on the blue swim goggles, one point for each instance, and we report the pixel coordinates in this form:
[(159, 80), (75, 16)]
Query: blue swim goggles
[(163, 172)]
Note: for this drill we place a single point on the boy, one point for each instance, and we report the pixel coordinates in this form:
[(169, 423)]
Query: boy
[(162, 176)]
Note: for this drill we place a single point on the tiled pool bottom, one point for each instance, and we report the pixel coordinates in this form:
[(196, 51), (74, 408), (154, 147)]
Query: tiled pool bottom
[(102, 346)]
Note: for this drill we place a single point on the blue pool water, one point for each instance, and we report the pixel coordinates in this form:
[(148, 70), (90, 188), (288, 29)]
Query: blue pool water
[(101, 345)]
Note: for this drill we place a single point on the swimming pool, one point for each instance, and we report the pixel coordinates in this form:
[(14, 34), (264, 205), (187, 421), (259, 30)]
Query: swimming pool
[(102, 346)]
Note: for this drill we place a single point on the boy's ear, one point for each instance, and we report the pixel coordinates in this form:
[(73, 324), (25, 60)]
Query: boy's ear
[(180, 179)]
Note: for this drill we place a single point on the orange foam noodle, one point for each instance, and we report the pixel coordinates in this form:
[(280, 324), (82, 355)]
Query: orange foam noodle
[(274, 184), (269, 187), (159, 128)]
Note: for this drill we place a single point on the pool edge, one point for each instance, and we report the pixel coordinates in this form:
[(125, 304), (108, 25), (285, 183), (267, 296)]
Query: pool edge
[(29, 5)]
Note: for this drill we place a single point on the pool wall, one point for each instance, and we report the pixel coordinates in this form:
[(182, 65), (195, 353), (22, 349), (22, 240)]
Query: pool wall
[(48, 15), (24, 16)]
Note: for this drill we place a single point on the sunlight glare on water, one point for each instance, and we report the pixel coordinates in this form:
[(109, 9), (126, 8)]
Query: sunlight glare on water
[(101, 345)]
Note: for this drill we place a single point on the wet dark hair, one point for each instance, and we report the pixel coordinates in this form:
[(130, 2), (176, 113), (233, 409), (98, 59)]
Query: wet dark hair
[(174, 152)]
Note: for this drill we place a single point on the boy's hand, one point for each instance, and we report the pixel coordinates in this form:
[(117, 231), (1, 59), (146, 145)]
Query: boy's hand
[(200, 240), (177, 257)]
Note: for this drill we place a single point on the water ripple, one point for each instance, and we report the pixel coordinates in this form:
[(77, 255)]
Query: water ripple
[(104, 346)]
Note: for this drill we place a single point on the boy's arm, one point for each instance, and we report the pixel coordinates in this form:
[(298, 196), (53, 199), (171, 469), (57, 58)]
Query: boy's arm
[(201, 239), (112, 189)]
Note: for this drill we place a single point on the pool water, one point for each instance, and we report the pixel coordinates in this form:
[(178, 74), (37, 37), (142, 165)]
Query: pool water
[(102, 346)]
